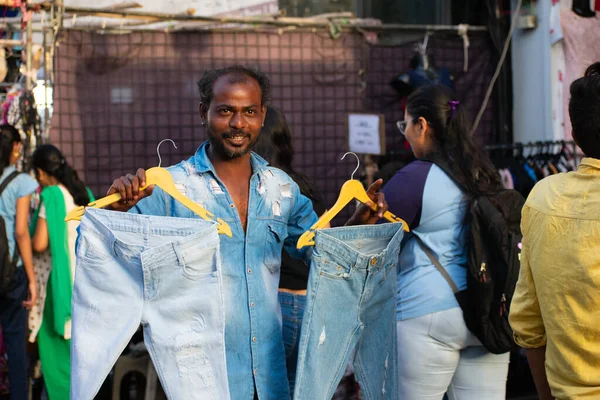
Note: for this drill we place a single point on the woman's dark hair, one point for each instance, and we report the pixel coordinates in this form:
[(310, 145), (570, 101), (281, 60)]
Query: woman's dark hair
[(584, 110), (50, 160), (275, 145), (453, 141), (8, 137)]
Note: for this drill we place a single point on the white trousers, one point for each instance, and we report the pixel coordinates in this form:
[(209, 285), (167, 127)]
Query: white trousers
[(437, 354)]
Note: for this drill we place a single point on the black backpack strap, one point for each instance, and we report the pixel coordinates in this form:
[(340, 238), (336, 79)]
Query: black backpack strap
[(3, 186), (8, 180), (437, 264)]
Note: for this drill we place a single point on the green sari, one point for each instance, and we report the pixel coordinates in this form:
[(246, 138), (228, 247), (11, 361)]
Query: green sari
[(55, 350)]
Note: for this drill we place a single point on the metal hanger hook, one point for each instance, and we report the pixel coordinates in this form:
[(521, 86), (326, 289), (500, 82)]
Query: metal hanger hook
[(357, 162), (158, 150), (425, 42)]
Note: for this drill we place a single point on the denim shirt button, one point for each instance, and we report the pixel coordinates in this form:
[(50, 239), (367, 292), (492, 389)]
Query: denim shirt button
[(252, 304), (373, 261), (249, 271), (254, 339)]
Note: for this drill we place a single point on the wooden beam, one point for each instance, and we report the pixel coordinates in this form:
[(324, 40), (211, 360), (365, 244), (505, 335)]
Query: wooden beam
[(154, 17), (123, 6), (343, 20), (10, 43)]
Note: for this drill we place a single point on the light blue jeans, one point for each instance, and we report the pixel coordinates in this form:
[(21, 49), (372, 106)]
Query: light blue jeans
[(292, 310), (163, 273), (438, 354), (351, 308)]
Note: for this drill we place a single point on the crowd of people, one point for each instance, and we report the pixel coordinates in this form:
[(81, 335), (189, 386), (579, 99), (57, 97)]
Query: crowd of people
[(37, 299), (553, 312)]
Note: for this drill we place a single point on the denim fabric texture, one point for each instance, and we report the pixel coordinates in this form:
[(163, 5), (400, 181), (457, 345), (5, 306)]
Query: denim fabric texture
[(13, 318), (350, 311), (251, 261), (163, 273), (292, 310)]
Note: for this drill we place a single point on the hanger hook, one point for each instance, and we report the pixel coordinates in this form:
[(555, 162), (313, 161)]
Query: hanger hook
[(357, 161), (425, 42), (158, 150)]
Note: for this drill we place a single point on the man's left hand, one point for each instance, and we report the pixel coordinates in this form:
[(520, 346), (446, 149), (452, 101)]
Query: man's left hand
[(365, 215)]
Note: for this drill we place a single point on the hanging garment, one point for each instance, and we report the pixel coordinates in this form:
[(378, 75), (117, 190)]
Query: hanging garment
[(581, 36), (163, 273), (506, 177), (556, 34), (530, 172), (351, 306)]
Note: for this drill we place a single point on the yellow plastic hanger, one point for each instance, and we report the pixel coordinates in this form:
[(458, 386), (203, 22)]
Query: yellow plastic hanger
[(351, 190), (162, 178)]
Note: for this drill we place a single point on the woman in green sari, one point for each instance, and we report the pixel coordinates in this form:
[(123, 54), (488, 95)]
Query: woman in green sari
[(62, 191)]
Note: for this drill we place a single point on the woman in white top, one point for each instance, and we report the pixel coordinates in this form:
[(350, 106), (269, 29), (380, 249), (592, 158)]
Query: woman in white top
[(62, 192)]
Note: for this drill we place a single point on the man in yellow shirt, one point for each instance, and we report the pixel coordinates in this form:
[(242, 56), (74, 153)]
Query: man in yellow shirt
[(555, 311)]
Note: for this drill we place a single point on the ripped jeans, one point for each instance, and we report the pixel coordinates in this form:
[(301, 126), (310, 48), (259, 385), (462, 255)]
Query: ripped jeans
[(351, 313), (163, 273)]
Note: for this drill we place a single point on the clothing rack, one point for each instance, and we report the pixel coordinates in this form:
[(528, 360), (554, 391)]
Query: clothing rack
[(539, 144), (508, 146)]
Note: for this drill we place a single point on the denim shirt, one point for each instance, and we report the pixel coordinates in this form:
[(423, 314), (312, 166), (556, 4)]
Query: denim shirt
[(277, 215)]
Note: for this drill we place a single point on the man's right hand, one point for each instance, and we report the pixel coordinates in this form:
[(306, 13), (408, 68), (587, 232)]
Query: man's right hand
[(128, 187)]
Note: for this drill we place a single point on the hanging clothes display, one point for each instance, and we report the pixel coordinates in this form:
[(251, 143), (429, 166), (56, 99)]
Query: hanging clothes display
[(19, 110), (581, 38), (555, 28), (350, 313), (163, 273), (521, 172)]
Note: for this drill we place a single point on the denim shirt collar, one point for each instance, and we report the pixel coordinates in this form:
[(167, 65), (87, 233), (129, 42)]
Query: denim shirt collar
[(203, 163)]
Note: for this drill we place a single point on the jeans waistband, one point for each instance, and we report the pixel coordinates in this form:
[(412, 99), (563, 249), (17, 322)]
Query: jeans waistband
[(337, 242), (292, 299), (192, 233)]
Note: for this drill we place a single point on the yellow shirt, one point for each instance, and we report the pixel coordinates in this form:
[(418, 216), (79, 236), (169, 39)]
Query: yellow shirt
[(557, 299)]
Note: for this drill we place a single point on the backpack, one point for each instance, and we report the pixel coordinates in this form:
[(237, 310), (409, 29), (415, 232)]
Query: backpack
[(493, 264), (8, 266)]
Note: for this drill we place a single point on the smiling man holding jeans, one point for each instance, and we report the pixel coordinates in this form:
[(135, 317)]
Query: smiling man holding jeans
[(265, 210)]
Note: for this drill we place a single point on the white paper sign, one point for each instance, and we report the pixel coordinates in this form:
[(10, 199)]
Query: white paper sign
[(364, 133)]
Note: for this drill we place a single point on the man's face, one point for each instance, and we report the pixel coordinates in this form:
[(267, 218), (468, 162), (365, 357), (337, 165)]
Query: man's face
[(235, 115)]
